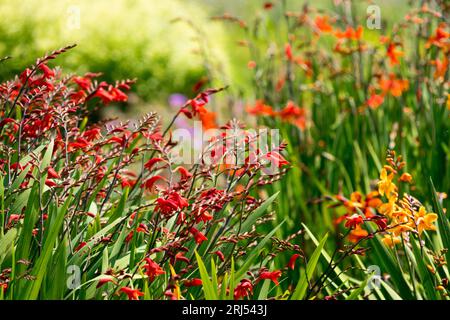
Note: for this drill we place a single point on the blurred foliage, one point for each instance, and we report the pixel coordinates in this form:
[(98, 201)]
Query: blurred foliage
[(122, 39)]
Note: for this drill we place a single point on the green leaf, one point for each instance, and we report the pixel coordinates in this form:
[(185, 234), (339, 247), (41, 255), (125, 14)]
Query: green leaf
[(443, 223), (208, 289), (257, 213), (7, 242), (41, 266), (255, 252), (355, 293), (300, 289)]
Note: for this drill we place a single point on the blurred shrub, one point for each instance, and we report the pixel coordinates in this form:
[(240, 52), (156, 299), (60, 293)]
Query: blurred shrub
[(122, 38)]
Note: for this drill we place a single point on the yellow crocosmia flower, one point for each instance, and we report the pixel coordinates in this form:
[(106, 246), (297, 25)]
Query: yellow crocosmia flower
[(424, 220), (388, 208), (399, 229), (385, 185), (391, 241)]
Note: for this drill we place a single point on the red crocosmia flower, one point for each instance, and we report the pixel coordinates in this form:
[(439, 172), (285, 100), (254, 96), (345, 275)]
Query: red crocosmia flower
[(118, 95), (50, 183), (80, 143), (133, 294), (124, 182), (220, 255), (203, 216), (198, 236), (270, 275), (48, 73), (251, 64), (212, 198), (171, 203), (92, 134), (184, 173), (149, 183), (24, 75), (353, 221), (375, 101), (104, 95), (80, 246), (193, 283), (288, 52), (52, 174), (82, 82), (243, 289), (150, 163), (104, 281), (152, 269), (291, 263)]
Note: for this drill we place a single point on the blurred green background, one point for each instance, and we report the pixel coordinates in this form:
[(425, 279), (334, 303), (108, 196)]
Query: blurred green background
[(140, 39)]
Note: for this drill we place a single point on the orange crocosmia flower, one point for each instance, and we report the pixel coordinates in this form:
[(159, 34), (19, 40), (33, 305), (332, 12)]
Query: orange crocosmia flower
[(322, 24), (439, 38), (350, 33), (208, 120), (406, 177), (441, 67), (260, 109), (393, 53), (375, 101), (393, 85), (357, 234)]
